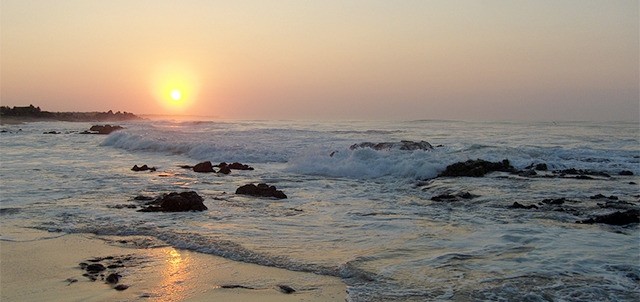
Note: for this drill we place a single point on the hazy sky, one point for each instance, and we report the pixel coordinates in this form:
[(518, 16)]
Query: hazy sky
[(470, 60)]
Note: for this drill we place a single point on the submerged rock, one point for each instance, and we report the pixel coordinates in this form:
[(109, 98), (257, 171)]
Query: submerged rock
[(625, 173), (261, 190), (176, 202), (402, 145), (616, 218), (476, 168), (142, 197), (453, 197), (557, 201), (581, 174), (517, 205)]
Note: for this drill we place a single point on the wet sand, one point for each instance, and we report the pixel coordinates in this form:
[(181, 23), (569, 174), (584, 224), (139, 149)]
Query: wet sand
[(41, 266)]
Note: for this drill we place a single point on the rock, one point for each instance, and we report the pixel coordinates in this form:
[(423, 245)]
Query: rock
[(122, 206), (239, 166), (186, 167), (51, 132), (476, 168), (113, 278), (539, 167), (261, 190), (71, 281), (95, 268), (527, 173), (228, 286), (402, 145), (142, 197), (600, 196), (203, 167), (120, 287), (143, 168), (557, 201), (176, 202), (625, 173), (444, 197), (286, 289), (623, 205), (224, 169), (106, 129), (453, 197), (616, 218), (582, 174), (517, 205)]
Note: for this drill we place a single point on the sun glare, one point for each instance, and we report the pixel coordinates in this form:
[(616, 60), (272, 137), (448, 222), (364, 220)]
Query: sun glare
[(175, 87), (176, 95)]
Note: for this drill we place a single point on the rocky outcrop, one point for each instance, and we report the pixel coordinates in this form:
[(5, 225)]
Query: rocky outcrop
[(260, 190), (176, 202), (102, 129), (476, 168), (402, 145)]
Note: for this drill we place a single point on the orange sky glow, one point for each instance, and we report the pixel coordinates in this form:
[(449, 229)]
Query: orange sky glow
[(383, 60)]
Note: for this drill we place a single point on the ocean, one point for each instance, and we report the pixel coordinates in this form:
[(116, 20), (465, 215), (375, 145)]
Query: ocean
[(370, 217)]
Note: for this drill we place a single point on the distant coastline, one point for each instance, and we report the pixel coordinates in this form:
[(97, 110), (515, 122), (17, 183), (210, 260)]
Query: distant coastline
[(32, 113)]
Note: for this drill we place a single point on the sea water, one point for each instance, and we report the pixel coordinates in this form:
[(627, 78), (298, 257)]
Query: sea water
[(364, 215)]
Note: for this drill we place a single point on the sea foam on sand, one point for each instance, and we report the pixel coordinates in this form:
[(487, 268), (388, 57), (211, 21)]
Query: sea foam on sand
[(43, 269)]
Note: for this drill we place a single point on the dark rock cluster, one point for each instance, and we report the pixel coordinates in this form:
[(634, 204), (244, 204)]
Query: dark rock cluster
[(476, 168), (616, 218), (176, 202), (224, 168), (402, 145), (106, 269), (261, 190)]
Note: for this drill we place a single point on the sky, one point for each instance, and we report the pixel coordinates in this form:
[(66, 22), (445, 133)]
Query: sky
[(331, 59)]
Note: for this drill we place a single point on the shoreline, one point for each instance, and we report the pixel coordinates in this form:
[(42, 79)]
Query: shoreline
[(47, 267), (19, 120)]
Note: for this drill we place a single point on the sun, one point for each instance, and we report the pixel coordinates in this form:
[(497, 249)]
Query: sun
[(175, 87), (176, 95)]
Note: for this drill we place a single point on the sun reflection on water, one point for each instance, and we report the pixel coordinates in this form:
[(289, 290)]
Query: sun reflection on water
[(175, 276)]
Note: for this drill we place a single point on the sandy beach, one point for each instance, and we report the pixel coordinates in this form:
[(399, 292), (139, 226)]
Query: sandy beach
[(42, 266)]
